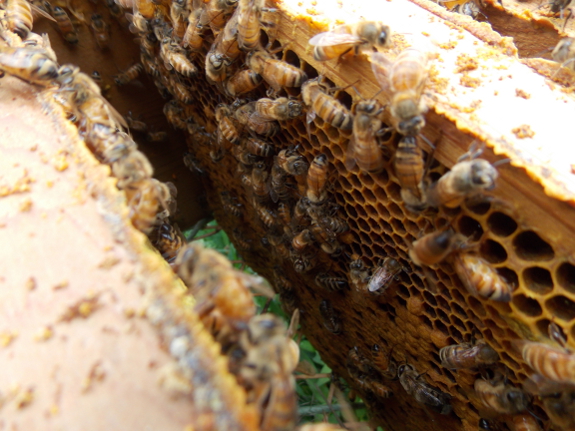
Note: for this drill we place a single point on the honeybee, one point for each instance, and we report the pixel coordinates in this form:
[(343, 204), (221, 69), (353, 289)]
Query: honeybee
[(331, 320), (33, 65), (409, 169), (423, 393), (173, 112), (179, 14), (292, 162), (193, 37), (564, 53), (132, 169), (284, 212), (260, 181), (217, 66), (116, 11), (279, 190), (108, 144), (258, 147), (19, 17), (357, 364), (333, 224), (552, 363), (329, 282), (302, 240), (145, 8), (65, 25), (363, 148), (383, 276), (276, 73), (226, 127), (466, 355), (358, 274), (317, 178), (281, 411), (249, 16), (500, 397), (248, 116), (434, 247), (243, 81), (280, 109), (327, 240), (217, 13), (480, 279), (138, 23), (348, 37), (145, 197), (267, 216), (404, 80), (136, 125), (174, 58), (169, 241), (128, 75), (315, 96), (230, 204), (101, 30), (524, 422), (386, 366), (181, 93), (561, 410), (226, 43), (302, 262), (466, 178)]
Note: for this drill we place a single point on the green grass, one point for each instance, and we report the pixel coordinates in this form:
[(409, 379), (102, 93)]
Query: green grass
[(311, 392)]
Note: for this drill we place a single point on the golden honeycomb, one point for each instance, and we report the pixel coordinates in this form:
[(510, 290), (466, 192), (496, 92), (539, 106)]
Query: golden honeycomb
[(522, 228)]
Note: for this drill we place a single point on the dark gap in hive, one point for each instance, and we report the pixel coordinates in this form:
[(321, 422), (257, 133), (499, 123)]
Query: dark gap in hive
[(315, 140), (566, 276), (538, 280), (398, 226), (379, 251), (355, 181), (478, 207), (418, 282), (493, 252), (527, 306), (309, 70), (497, 331), (498, 309), (356, 247), (292, 58), (530, 246), (561, 307), (357, 197), (501, 224), (509, 275), (394, 192), (451, 212), (366, 179), (543, 326), (395, 210), (470, 227), (458, 322), (442, 315), (455, 294), (386, 238)]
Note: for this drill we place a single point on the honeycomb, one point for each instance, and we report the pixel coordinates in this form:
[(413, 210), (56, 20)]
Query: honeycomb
[(428, 308)]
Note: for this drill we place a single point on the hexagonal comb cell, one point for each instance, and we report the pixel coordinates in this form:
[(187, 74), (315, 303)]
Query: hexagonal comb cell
[(528, 306), (537, 279), (561, 307), (566, 277), (493, 252), (501, 224), (530, 246)]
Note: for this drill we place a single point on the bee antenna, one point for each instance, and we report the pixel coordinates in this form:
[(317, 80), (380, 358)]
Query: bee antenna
[(500, 162), (535, 416)]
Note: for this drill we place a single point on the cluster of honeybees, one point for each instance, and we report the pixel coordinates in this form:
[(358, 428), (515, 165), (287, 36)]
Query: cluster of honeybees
[(27, 56)]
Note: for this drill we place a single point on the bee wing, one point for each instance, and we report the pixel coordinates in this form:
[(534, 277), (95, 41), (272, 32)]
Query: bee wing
[(331, 39), (76, 9), (42, 12), (116, 116), (350, 153), (381, 65)]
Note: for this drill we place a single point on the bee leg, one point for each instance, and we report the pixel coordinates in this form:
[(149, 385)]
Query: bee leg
[(569, 15)]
